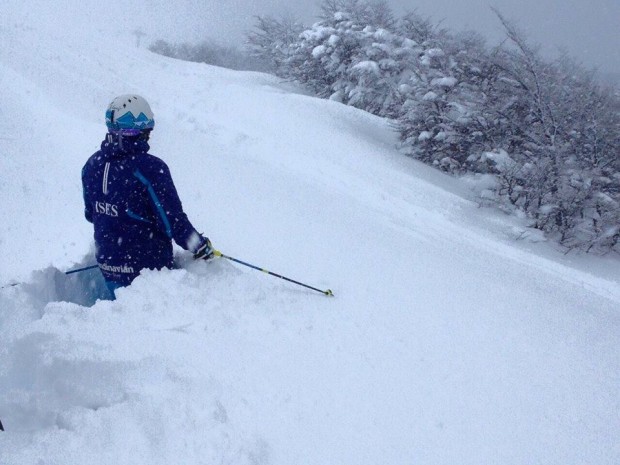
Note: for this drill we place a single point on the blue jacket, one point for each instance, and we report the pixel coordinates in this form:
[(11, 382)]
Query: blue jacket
[(131, 200)]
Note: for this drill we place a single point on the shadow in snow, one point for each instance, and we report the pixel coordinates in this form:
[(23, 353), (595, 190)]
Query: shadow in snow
[(53, 285)]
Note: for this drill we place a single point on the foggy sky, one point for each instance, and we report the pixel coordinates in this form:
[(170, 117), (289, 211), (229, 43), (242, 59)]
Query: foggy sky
[(588, 29)]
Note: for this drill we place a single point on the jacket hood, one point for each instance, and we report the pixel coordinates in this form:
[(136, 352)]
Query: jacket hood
[(118, 146)]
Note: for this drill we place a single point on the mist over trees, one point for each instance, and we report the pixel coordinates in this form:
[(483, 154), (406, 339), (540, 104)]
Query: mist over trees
[(212, 53), (543, 134)]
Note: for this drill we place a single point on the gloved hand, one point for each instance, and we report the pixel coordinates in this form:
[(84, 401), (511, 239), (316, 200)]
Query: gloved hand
[(205, 251)]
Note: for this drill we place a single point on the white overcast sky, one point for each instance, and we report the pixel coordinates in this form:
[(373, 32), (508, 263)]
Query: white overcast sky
[(588, 29)]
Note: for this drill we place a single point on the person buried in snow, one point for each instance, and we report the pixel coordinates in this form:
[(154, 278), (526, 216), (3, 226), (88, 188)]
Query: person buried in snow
[(131, 200)]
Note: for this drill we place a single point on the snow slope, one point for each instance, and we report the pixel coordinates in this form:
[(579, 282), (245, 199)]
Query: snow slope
[(447, 340)]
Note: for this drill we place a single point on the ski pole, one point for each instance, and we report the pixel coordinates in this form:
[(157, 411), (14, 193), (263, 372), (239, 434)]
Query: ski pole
[(217, 253), (66, 272), (82, 269), (10, 285)]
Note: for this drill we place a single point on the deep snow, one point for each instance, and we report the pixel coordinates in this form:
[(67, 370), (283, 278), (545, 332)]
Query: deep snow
[(448, 340)]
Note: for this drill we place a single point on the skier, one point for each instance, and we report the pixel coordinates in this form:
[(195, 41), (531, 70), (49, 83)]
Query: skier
[(131, 200)]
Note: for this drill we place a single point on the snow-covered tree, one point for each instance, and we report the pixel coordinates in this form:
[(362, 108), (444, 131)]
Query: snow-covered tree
[(210, 52), (377, 14), (351, 57), (546, 131), (271, 41), (441, 122), (561, 129)]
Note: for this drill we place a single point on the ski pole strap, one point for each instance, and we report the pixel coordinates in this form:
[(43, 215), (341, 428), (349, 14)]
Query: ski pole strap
[(217, 253), (82, 269)]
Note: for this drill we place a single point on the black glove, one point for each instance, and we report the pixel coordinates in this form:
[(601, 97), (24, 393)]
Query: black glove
[(205, 251)]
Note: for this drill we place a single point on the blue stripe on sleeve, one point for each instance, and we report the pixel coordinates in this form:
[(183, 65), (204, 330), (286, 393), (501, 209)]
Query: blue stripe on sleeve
[(160, 208)]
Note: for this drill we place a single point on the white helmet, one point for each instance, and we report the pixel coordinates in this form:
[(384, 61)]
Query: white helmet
[(129, 114)]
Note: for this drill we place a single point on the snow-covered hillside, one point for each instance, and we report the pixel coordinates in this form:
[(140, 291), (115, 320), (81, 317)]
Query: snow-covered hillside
[(448, 341)]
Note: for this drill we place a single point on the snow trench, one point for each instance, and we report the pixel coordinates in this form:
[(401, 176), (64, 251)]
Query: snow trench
[(84, 374)]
